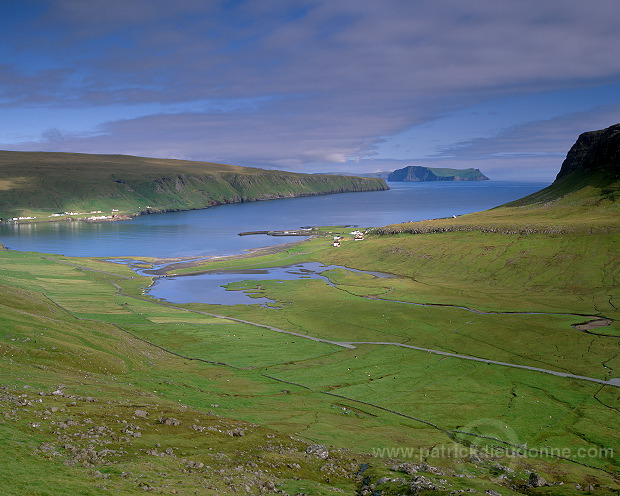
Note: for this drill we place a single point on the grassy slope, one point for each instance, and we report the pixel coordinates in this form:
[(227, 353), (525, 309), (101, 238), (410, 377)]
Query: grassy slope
[(38, 184), (83, 441), (46, 342), (591, 171), (575, 273), (65, 325)]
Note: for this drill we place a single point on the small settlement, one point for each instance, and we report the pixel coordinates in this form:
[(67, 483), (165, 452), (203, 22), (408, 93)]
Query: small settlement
[(357, 236)]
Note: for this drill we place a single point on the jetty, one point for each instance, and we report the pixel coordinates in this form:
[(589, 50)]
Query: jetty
[(289, 232)]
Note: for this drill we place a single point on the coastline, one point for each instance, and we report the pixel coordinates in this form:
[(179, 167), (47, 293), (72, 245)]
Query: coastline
[(172, 263), (120, 213)]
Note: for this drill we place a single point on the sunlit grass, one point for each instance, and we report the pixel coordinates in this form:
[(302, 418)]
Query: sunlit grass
[(86, 325)]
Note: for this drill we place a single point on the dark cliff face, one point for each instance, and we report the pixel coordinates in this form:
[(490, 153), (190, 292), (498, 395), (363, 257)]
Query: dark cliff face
[(594, 152), (413, 173), (592, 162)]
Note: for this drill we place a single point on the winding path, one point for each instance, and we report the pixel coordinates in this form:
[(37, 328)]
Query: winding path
[(352, 344), (234, 319), (611, 382), (593, 319)]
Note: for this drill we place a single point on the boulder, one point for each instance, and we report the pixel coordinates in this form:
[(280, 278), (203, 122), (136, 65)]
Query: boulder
[(536, 480), (318, 450)]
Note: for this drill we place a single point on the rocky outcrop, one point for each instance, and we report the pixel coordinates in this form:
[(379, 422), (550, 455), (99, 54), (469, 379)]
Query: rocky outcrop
[(419, 173), (594, 152), (592, 162)]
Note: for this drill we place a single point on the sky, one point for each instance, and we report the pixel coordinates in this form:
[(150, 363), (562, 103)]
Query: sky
[(351, 86)]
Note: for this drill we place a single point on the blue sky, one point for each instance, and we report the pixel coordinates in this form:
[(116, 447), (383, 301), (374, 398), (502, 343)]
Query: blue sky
[(312, 86)]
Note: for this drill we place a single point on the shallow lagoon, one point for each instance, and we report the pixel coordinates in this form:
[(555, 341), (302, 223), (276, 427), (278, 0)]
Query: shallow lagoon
[(210, 287)]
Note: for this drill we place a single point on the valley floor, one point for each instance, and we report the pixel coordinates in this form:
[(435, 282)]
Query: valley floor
[(464, 372)]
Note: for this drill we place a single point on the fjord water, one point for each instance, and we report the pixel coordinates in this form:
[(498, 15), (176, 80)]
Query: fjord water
[(214, 231)]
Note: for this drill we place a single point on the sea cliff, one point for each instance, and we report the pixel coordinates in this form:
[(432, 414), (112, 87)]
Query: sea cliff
[(592, 162), (418, 173)]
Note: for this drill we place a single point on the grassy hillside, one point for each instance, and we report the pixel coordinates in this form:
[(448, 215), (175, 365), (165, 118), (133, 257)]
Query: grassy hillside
[(518, 286), (591, 171), (39, 184), (442, 379), (89, 408), (96, 375), (584, 198)]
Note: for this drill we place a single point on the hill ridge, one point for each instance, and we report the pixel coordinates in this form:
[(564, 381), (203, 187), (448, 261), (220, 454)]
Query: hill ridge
[(38, 184)]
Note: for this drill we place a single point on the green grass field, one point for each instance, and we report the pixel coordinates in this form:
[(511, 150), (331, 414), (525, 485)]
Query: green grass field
[(106, 389)]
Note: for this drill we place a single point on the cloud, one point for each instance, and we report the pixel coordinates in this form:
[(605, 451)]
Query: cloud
[(550, 137), (386, 52), (535, 149), (52, 135), (333, 78), (269, 138)]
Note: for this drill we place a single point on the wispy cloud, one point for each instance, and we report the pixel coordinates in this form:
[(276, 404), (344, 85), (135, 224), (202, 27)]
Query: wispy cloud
[(293, 84)]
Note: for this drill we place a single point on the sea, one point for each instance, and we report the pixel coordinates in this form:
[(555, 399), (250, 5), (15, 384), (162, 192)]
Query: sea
[(215, 231)]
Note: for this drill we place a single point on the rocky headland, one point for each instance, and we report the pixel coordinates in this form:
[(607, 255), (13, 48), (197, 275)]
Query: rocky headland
[(414, 173)]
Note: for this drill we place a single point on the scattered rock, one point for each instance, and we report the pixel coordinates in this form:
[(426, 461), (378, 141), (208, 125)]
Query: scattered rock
[(318, 450), (195, 465), (98, 474), (408, 468), (536, 480), (237, 432), (420, 483), (268, 486), (140, 413), (169, 421)]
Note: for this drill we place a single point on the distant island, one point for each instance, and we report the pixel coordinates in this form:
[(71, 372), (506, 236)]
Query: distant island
[(419, 173), (415, 173)]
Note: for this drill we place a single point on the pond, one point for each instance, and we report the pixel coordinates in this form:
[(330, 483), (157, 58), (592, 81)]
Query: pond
[(211, 287)]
